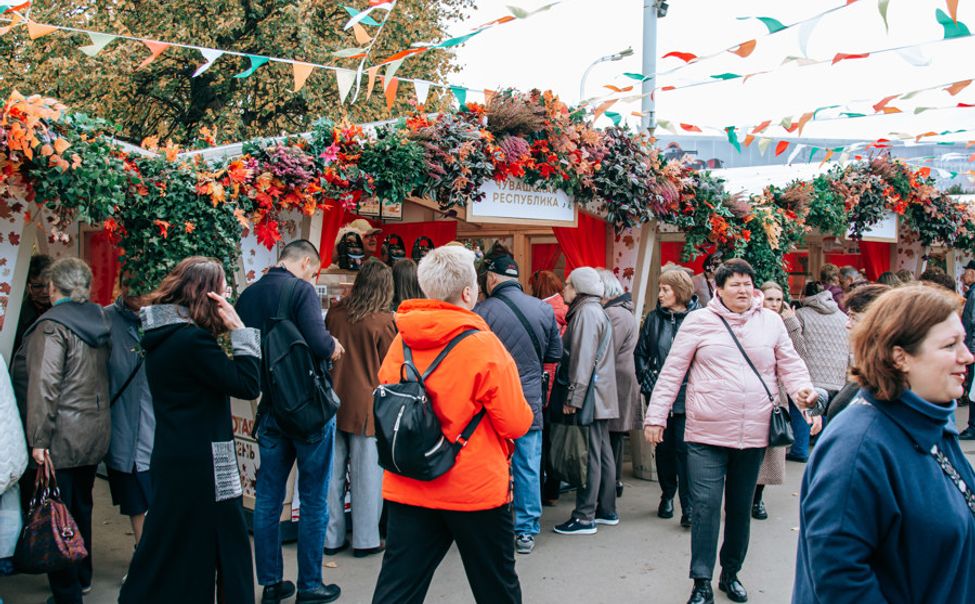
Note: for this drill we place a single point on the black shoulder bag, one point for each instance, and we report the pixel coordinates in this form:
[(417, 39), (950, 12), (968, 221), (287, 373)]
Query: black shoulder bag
[(127, 382), (780, 427)]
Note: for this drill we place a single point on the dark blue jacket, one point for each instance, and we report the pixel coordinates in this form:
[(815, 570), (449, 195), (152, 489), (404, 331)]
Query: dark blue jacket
[(259, 302), (509, 329), (879, 519)]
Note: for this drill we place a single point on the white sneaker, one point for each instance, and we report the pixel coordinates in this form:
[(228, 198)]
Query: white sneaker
[(610, 520), (524, 544)]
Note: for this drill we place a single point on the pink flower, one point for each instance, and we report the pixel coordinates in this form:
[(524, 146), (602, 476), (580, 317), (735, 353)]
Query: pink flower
[(330, 154)]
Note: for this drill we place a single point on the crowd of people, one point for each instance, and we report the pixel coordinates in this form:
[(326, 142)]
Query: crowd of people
[(144, 384)]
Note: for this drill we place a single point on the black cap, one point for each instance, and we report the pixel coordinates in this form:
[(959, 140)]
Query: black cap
[(503, 265), (970, 265)]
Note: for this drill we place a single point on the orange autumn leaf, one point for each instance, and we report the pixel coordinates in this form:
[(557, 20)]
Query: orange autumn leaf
[(47, 151), (61, 145), (189, 227)]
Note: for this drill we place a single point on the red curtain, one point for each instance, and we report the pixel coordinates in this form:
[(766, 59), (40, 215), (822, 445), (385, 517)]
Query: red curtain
[(332, 221), (875, 257), (670, 251), (584, 245), (441, 232), (102, 257), (544, 256), (841, 260)]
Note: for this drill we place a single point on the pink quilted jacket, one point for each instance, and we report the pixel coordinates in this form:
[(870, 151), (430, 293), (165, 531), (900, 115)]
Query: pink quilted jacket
[(726, 404)]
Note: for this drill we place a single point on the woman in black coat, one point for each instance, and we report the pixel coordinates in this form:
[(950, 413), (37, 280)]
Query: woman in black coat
[(675, 300), (195, 537)]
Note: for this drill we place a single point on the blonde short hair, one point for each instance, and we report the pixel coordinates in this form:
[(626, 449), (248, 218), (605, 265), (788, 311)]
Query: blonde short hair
[(681, 283), (445, 271), (612, 288)]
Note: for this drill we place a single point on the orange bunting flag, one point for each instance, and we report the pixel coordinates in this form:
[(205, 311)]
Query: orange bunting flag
[(958, 87), (842, 56), (690, 128), (302, 71), (971, 157), (602, 109), (920, 136), (38, 30), (489, 94), (744, 49), (883, 103), (826, 158), (15, 20), (748, 139), (803, 120), (888, 110), (667, 88), (617, 88), (686, 57), (156, 48), (761, 127), (372, 71), (361, 35), (781, 147), (952, 9), (403, 54), (391, 87)]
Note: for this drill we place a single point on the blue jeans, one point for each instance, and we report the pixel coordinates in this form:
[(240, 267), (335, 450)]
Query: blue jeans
[(278, 455), (800, 448), (526, 468)]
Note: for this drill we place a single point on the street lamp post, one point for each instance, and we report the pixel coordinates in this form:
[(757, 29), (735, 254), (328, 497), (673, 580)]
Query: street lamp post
[(616, 56)]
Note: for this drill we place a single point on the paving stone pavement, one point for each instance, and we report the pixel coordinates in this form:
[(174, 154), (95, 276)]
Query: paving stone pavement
[(644, 559)]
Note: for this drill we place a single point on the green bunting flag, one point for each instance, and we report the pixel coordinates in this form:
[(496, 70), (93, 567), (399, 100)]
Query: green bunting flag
[(639, 77), (256, 63), (461, 94), (458, 40), (773, 25), (617, 118), (98, 42), (812, 153), (733, 138), (882, 6), (726, 76), (953, 29), (367, 20)]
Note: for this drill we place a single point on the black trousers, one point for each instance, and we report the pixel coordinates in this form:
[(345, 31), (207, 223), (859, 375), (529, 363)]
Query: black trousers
[(616, 441), (76, 485), (418, 538), (713, 472), (551, 482), (671, 462)]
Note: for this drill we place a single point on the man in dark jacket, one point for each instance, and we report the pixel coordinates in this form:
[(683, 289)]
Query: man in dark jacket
[(527, 328), (257, 305)]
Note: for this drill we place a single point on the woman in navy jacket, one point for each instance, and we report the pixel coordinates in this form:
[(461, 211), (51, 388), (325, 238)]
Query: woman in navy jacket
[(887, 512)]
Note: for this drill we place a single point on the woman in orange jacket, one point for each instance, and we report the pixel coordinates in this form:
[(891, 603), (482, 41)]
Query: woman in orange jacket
[(467, 504)]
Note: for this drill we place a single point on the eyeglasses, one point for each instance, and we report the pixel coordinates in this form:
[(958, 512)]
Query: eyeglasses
[(37, 286)]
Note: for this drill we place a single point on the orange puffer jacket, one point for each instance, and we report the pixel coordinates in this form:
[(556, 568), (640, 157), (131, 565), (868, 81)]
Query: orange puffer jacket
[(478, 373)]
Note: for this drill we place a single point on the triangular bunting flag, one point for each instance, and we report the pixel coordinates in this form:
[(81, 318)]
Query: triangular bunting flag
[(733, 138), (763, 144), (256, 62), (391, 70), (39, 30), (781, 147), (15, 20), (639, 77), (803, 120), (726, 76), (744, 49), (953, 29), (812, 153), (156, 49), (349, 53), (98, 43), (761, 127), (690, 128), (666, 125), (210, 55), (450, 43), (829, 154), (952, 9), (489, 96), (805, 31), (748, 139), (958, 87), (773, 25), (615, 117), (361, 35), (882, 6), (686, 57), (602, 108), (461, 95), (795, 153), (392, 85), (373, 72), (302, 71), (345, 78), (883, 103), (843, 56), (358, 17), (422, 89)]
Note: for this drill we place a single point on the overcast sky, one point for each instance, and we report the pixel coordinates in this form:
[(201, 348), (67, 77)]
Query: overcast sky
[(552, 49)]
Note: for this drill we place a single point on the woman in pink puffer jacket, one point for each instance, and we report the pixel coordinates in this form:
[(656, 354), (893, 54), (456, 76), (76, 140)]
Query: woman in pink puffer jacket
[(728, 411)]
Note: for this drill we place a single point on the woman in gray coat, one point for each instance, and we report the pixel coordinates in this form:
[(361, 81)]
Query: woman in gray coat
[(588, 375), (619, 308)]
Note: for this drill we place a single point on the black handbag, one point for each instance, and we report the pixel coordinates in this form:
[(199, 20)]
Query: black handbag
[(780, 424)]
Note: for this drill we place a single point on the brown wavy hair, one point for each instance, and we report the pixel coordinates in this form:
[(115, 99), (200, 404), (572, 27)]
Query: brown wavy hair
[(188, 285), (901, 317), (545, 284), (371, 292)]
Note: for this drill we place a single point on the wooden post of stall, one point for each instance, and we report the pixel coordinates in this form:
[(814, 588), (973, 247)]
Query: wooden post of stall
[(522, 254), (18, 289), (641, 452)]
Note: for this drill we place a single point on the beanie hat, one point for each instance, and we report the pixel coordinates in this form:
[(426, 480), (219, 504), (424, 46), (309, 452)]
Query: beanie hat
[(587, 281), (503, 265)]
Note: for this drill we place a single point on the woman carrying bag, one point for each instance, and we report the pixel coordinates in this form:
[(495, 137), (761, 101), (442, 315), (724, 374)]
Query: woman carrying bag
[(732, 352), (587, 388)]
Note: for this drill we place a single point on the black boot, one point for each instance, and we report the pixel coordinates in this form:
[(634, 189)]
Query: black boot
[(701, 594), (273, 594), (758, 510), (729, 583), (666, 508)]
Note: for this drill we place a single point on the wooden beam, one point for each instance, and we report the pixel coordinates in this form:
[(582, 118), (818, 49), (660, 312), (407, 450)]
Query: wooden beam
[(522, 252), (461, 213), (644, 259)]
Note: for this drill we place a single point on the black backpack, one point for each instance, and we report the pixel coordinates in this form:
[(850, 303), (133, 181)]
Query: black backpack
[(298, 386), (408, 434)]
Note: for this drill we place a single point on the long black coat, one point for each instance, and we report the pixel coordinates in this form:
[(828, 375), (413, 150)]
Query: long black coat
[(188, 532)]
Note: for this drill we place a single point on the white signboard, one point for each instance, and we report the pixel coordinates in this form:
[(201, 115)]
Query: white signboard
[(514, 201), (884, 231)]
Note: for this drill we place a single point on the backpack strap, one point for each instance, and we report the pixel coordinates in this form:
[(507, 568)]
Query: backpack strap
[(410, 365), (286, 300)]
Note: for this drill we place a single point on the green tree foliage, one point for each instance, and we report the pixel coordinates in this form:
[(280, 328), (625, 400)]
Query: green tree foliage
[(163, 100)]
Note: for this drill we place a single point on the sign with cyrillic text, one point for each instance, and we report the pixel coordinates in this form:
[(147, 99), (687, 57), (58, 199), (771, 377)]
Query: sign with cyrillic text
[(512, 201)]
